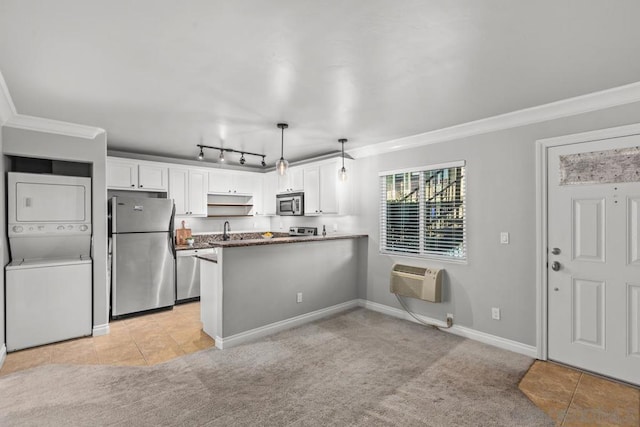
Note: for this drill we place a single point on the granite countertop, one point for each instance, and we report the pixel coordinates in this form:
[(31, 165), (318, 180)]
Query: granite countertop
[(281, 240), (207, 241)]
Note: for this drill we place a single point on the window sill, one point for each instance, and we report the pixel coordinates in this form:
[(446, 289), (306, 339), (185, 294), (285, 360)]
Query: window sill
[(425, 257)]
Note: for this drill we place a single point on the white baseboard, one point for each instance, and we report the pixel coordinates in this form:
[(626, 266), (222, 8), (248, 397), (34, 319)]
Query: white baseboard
[(3, 354), (243, 337), (463, 331), (99, 330)]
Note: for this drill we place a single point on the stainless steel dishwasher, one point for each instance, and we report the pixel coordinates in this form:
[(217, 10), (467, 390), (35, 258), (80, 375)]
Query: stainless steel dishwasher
[(188, 274)]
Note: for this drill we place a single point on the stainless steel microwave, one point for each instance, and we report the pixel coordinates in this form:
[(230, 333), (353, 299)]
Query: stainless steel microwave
[(290, 204)]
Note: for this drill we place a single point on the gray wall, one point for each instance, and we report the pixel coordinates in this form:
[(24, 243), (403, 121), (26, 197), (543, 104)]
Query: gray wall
[(500, 197), (261, 282), (27, 143)]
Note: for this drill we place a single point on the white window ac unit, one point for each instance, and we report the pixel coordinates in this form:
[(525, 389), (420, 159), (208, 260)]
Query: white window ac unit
[(417, 282)]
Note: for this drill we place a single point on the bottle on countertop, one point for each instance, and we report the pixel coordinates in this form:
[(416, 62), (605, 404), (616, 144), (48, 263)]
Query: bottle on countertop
[(324, 231)]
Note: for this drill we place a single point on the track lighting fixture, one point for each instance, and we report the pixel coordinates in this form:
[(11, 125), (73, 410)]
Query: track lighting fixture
[(222, 150), (342, 173), (282, 164)]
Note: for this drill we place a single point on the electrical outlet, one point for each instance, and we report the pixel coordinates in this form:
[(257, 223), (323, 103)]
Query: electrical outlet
[(299, 297), (495, 313), (335, 228), (504, 238), (281, 226), (449, 315)]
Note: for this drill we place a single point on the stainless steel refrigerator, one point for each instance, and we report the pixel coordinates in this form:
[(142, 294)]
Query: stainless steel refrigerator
[(143, 255)]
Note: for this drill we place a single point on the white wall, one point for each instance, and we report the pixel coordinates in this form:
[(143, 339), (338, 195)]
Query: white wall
[(214, 225), (500, 197)]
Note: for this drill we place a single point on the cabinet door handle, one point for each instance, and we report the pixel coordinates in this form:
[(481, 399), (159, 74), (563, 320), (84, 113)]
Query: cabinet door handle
[(133, 185), (140, 185)]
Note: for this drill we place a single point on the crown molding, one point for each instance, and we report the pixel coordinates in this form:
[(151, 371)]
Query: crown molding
[(39, 124), (10, 117), (614, 97), (7, 108)]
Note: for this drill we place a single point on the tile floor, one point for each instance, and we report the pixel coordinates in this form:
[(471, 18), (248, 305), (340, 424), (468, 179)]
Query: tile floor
[(570, 397), (137, 341), (574, 398)]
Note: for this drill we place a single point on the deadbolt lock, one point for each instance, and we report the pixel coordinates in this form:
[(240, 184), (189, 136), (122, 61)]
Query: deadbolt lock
[(555, 251)]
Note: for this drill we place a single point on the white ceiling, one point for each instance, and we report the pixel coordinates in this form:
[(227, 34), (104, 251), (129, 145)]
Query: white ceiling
[(162, 76)]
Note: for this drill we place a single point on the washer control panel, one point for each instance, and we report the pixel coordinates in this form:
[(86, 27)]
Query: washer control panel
[(48, 229)]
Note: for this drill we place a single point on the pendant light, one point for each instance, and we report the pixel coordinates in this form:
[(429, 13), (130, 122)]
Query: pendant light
[(342, 173), (201, 155), (282, 164), (221, 157)]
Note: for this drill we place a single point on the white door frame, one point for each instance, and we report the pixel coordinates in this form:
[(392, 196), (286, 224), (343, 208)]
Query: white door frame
[(542, 146)]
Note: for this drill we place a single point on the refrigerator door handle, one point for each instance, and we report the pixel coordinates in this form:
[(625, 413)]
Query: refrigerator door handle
[(172, 241)]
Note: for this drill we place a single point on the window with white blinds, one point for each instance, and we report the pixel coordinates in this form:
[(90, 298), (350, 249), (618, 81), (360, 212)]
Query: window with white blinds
[(422, 212)]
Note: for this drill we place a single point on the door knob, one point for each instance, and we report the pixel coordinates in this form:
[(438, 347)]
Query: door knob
[(555, 251), (555, 266)]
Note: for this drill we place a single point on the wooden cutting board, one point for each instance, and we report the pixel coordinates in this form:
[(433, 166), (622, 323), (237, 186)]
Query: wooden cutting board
[(182, 234)]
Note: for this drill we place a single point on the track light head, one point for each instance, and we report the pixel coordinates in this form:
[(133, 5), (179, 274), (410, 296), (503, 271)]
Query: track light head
[(264, 164), (242, 159), (221, 156), (201, 155)]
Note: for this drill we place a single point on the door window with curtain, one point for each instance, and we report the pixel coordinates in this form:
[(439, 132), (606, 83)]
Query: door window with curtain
[(422, 212)]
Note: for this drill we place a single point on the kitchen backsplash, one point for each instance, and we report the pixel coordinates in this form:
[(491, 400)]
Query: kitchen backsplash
[(214, 225), (276, 224)]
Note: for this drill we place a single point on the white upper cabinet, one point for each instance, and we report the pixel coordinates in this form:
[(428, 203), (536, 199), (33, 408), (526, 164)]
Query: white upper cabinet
[(153, 177), (312, 190), (188, 189), (324, 193), (329, 188), (269, 190), (124, 174), (292, 181), (198, 183), (222, 181)]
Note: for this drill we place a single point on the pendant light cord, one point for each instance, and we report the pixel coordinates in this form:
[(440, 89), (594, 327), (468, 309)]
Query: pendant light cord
[(282, 144)]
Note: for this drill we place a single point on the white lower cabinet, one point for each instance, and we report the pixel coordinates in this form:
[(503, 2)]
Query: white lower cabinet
[(188, 189)]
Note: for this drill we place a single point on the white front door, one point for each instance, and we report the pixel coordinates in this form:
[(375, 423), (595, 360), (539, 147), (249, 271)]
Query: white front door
[(594, 256)]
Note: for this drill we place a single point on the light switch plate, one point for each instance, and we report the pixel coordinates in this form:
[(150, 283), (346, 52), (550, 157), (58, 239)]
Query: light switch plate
[(504, 238)]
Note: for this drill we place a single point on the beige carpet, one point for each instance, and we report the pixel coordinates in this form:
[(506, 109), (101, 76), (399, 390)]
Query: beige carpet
[(356, 368)]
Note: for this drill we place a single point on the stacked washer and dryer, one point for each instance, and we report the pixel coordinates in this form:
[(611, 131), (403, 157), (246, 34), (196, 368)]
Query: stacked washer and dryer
[(49, 279)]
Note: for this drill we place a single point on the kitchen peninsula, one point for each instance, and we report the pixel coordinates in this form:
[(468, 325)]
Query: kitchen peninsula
[(252, 288)]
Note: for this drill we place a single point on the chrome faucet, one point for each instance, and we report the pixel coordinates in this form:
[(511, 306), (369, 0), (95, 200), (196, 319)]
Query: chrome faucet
[(226, 228)]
